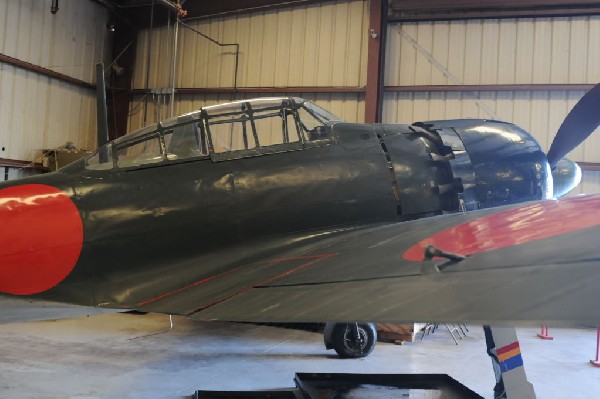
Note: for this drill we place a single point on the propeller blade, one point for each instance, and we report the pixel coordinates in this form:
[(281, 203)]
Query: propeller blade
[(577, 126)]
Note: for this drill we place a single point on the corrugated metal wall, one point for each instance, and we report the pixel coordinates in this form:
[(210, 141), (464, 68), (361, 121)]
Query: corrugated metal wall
[(38, 112), (313, 45), (543, 50), (8, 173), (326, 45), (590, 183)]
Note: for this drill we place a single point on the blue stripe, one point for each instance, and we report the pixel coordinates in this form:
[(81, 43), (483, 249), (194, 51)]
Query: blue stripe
[(512, 363)]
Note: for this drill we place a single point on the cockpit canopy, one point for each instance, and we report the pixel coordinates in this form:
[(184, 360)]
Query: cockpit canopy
[(243, 127)]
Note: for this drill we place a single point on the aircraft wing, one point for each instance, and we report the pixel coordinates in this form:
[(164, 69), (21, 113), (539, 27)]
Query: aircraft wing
[(532, 262)]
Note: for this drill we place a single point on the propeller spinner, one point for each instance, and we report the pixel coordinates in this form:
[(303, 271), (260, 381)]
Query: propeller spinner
[(583, 119)]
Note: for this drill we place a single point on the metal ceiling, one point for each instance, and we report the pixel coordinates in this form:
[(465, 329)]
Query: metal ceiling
[(138, 12), (430, 10)]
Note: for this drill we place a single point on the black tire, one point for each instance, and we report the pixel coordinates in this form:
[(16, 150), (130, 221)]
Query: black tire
[(346, 345)]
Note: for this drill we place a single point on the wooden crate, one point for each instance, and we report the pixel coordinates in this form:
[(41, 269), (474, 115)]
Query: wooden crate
[(398, 333)]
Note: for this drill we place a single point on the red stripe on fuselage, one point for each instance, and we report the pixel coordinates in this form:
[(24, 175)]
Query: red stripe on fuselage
[(248, 288), (227, 272), (40, 239), (513, 227)]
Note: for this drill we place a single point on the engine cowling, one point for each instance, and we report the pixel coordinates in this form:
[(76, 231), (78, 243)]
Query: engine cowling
[(448, 166)]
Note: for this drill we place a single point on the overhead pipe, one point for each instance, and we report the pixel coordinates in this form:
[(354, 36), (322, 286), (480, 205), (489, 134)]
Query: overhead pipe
[(174, 67), (148, 49), (170, 69), (180, 13), (174, 64), (237, 51), (101, 112)]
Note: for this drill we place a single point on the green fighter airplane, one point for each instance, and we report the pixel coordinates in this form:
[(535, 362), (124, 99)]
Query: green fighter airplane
[(274, 210)]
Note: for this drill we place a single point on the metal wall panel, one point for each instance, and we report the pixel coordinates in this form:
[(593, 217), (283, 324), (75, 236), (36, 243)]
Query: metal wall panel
[(304, 46), (590, 183), (9, 173), (38, 112), (312, 45), (507, 51), (538, 112), (523, 51)]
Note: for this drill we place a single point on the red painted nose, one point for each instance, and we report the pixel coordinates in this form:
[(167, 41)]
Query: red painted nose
[(41, 235)]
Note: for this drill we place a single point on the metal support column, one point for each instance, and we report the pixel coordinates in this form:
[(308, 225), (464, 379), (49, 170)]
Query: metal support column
[(596, 362), (375, 62)]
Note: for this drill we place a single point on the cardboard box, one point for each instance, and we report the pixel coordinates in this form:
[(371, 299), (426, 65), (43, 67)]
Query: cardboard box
[(56, 159)]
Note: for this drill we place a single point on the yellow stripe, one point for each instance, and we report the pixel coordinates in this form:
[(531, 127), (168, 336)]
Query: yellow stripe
[(507, 355)]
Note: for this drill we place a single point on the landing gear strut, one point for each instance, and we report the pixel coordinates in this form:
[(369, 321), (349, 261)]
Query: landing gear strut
[(505, 352), (350, 340)]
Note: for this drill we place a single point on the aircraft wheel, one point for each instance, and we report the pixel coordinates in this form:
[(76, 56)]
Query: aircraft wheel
[(353, 340)]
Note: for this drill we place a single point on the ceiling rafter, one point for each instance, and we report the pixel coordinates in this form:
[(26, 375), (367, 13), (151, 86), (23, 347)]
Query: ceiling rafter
[(431, 10), (138, 11)]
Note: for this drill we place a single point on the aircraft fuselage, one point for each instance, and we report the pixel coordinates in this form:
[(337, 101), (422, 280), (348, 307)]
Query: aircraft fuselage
[(131, 231)]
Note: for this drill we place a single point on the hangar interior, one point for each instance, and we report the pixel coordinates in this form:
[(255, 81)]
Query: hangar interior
[(367, 61), (527, 64)]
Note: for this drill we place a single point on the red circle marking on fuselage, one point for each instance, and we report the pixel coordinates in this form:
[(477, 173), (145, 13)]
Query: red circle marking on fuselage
[(40, 239), (513, 227)]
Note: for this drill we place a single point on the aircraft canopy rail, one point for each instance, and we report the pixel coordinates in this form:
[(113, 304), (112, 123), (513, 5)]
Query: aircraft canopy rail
[(227, 131), (259, 123)]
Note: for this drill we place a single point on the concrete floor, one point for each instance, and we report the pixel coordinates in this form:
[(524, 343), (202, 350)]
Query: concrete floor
[(109, 356)]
